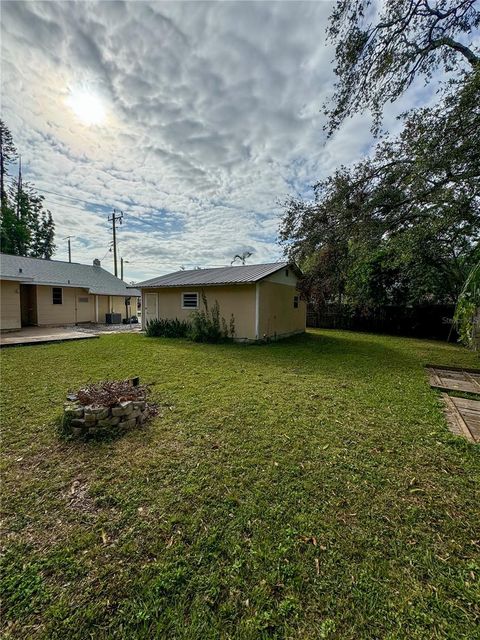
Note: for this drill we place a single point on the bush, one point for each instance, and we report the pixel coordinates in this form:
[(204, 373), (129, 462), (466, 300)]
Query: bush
[(207, 326), (163, 328), (204, 326), (467, 310)]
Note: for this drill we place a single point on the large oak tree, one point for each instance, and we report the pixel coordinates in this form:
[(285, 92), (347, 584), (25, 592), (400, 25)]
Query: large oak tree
[(402, 226)]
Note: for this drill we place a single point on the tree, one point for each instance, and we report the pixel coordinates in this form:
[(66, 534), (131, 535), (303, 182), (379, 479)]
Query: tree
[(8, 154), (403, 226), (26, 227), (379, 56)]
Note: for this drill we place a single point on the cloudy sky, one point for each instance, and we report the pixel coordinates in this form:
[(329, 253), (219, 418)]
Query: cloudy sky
[(194, 119)]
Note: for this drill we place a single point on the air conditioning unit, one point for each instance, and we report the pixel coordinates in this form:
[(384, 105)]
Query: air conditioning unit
[(113, 318)]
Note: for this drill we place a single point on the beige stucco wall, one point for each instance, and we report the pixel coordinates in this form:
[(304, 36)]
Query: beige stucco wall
[(10, 317), (103, 308), (236, 299), (115, 304), (277, 315), (65, 313), (71, 310), (118, 305)]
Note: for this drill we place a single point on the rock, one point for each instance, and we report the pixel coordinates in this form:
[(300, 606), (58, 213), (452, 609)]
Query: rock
[(143, 416), (99, 412), (77, 431), (78, 422), (139, 404), (72, 397), (74, 411), (135, 413), (123, 409), (90, 419), (127, 424)]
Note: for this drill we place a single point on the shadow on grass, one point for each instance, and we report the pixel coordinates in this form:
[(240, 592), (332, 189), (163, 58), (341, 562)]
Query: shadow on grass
[(307, 353)]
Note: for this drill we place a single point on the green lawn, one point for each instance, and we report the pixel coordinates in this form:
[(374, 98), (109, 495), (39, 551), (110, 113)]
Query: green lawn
[(304, 489)]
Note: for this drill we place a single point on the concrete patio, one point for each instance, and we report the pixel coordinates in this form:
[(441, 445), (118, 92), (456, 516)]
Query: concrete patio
[(44, 335)]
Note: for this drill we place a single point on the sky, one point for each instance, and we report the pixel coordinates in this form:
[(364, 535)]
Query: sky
[(195, 119)]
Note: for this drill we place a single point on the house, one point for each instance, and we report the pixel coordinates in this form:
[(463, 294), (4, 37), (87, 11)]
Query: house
[(263, 298), (37, 292)]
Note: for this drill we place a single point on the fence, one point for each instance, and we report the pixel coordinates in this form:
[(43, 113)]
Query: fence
[(429, 321)]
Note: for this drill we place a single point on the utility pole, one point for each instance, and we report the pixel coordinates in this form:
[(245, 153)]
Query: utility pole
[(117, 216), (69, 247), (122, 262), (19, 186)]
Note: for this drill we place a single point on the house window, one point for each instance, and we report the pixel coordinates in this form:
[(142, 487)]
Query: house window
[(286, 272), (189, 300), (295, 302), (57, 297)]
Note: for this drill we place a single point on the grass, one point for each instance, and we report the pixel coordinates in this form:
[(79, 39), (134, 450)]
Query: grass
[(304, 489)]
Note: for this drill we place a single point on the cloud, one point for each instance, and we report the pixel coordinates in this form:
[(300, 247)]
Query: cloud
[(214, 116)]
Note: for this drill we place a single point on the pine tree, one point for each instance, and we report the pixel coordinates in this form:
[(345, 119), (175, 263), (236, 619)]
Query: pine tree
[(26, 227), (8, 154)]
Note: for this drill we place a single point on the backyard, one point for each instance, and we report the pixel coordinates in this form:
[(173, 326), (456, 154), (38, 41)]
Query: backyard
[(303, 489)]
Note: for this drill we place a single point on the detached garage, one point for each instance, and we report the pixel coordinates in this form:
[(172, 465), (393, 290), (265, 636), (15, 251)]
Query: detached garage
[(36, 292), (263, 298)]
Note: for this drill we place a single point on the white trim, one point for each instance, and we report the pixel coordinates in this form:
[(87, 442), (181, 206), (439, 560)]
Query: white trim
[(189, 293), (257, 310)]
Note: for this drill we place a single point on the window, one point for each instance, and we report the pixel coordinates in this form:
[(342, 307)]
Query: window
[(189, 300), (286, 272), (295, 302), (57, 297)]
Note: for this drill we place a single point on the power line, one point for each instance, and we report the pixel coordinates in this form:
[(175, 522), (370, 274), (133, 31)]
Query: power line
[(74, 198), (107, 252)]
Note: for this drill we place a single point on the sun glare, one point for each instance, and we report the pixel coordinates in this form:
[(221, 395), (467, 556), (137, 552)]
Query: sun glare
[(87, 107)]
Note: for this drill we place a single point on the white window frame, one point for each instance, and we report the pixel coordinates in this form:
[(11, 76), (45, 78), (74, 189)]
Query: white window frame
[(189, 293)]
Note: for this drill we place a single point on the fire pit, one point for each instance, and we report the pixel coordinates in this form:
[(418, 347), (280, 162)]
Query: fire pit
[(106, 408)]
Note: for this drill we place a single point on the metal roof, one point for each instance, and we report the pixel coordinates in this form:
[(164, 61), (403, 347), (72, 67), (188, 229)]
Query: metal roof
[(65, 274), (241, 274)]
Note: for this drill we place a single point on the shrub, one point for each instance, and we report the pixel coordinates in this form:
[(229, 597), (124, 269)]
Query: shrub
[(467, 310), (207, 326), (163, 328)]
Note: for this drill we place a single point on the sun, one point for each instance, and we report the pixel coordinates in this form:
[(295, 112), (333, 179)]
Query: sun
[(87, 107)]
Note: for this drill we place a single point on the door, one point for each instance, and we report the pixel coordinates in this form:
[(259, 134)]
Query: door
[(83, 308), (151, 307), (28, 304)]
